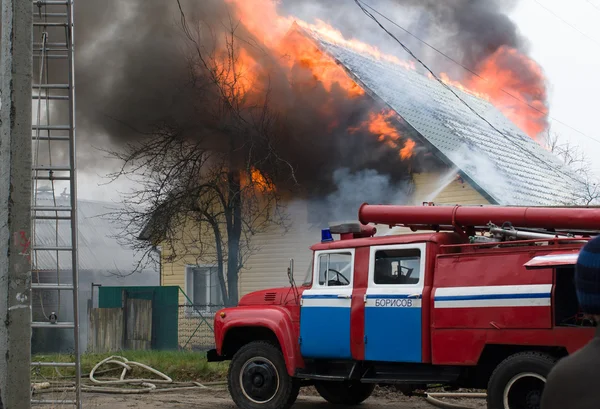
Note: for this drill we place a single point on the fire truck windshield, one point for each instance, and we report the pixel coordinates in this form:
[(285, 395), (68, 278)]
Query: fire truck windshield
[(308, 276)]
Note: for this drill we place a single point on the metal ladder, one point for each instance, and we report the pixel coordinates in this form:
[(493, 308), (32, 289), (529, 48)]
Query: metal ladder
[(54, 218)]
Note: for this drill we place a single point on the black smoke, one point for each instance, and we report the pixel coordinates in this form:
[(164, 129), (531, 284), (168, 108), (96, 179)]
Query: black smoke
[(469, 31), (132, 73), (477, 28)]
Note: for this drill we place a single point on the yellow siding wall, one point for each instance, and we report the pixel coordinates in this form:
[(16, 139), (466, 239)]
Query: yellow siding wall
[(440, 188), (445, 189), (268, 266), (192, 244)]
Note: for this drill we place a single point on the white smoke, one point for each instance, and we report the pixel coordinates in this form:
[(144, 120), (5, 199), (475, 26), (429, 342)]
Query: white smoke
[(355, 188), (471, 162)]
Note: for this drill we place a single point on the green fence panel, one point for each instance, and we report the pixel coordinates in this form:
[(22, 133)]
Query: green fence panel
[(165, 303)]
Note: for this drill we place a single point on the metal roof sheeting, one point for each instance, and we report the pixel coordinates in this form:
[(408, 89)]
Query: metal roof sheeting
[(512, 169)]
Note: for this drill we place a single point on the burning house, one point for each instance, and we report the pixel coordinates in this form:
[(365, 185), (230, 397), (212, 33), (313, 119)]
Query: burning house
[(449, 143)]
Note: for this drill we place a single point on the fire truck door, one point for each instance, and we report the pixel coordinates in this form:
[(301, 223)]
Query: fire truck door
[(325, 308), (393, 318)]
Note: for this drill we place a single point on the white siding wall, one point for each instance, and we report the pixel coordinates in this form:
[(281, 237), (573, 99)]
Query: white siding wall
[(267, 268)]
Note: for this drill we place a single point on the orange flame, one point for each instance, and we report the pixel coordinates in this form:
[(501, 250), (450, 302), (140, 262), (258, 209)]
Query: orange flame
[(259, 182), (301, 51), (505, 72), (261, 19), (514, 84), (378, 125)]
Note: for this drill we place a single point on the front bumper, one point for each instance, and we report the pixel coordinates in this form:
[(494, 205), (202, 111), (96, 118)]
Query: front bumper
[(212, 356)]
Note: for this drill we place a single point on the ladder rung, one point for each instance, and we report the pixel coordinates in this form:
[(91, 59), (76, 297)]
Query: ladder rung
[(52, 217), (51, 86), (53, 248), (62, 287), (50, 15), (54, 97), (51, 138), (51, 56), (51, 127), (53, 49), (54, 364), (52, 178), (52, 168), (53, 402), (61, 325), (49, 24), (50, 45), (50, 2), (51, 208)]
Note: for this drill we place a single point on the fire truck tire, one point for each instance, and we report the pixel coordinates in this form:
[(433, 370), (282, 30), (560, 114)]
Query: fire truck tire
[(258, 378), (344, 393), (519, 378)]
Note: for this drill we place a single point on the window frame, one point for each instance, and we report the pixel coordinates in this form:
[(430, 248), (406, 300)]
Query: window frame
[(422, 247), (317, 265), (205, 311)]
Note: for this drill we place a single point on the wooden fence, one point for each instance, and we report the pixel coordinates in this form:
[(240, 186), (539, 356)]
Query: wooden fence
[(115, 329)]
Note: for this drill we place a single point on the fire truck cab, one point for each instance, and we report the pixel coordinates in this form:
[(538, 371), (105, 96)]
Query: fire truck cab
[(483, 299)]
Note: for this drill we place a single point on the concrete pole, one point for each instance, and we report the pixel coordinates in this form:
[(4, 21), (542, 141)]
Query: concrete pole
[(15, 202)]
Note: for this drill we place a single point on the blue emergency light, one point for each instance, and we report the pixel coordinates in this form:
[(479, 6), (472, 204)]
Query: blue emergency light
[(326, 235)]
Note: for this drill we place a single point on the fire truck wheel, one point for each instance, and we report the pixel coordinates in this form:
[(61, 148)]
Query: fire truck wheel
[(258, 378), (344, 393), (518, 381)]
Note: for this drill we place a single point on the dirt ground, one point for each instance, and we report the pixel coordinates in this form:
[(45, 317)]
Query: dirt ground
[(219, 399)]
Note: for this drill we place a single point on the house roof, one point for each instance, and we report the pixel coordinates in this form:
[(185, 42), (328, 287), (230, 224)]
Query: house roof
[(510, 169), (98, 249)]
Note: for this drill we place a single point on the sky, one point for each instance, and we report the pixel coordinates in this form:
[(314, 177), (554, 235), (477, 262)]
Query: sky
[(564, 39), (567, 46)]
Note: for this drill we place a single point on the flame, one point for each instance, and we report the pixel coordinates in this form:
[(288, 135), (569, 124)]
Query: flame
[(378, 125), (408, 150), (514, 84), (334, 36), (262, 182), (506, 71), (261, 19), (258, 181), (299, 50), (240, 79)]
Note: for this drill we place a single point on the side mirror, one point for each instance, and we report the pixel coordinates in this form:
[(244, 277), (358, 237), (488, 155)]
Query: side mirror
[(291, 270)]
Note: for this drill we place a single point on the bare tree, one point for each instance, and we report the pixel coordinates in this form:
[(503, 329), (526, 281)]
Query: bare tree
[(205, 192), (588, 192)]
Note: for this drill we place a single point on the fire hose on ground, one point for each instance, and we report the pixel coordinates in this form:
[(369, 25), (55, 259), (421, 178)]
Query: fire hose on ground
[(433, 399), (149, 384)]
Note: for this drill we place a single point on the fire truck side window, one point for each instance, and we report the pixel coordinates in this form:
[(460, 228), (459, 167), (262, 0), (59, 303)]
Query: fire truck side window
[(335, 269), (397, 267)]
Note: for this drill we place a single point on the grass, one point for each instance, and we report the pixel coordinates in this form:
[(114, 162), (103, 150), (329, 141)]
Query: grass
[(178, 365)]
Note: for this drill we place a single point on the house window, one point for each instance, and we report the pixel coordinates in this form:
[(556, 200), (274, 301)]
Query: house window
[(203, 289)]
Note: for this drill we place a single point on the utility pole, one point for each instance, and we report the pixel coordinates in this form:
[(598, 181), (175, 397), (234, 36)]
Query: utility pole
[(16, 63)]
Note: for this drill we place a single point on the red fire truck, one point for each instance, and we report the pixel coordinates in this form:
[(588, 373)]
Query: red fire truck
[(474, 297)]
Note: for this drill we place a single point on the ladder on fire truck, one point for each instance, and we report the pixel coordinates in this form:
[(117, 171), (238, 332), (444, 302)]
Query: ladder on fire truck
[(54, 256)]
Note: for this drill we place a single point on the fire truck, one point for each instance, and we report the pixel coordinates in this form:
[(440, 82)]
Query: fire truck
[(470, 297)]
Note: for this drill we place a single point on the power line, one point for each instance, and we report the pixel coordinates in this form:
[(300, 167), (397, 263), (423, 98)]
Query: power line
[(593, 5), (567, 23), (472, 71), (359, 3)]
